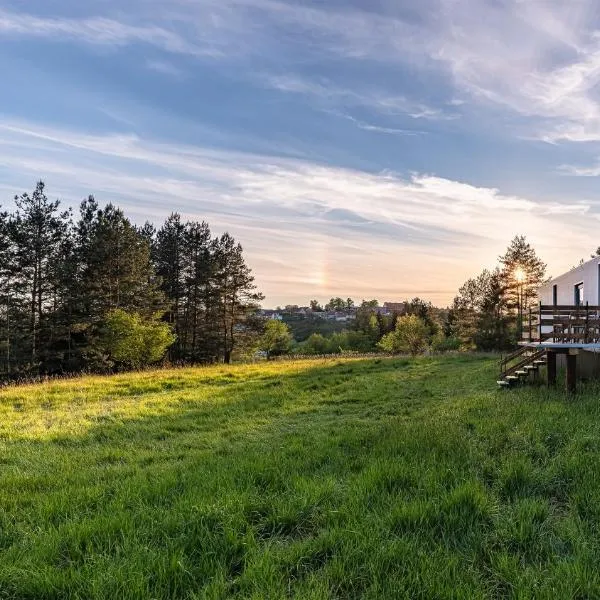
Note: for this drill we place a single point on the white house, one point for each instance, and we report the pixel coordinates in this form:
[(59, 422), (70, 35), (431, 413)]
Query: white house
[(575, 287), (565, 332)]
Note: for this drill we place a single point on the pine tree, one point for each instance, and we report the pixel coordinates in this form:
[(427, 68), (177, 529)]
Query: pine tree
[(169, 260), (238, 297), (479, 313), (521, 261), (114, 271), (37, 231), (198, 327)]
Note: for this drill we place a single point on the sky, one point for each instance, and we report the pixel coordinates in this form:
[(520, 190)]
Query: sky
[(361, 148)]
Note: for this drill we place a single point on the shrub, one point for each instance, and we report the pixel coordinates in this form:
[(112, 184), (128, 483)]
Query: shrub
[(276, 339), (132, 341), (441, 343), (410, 335)]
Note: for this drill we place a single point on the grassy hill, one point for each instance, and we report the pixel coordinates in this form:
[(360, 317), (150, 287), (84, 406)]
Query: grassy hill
[(341, 479)]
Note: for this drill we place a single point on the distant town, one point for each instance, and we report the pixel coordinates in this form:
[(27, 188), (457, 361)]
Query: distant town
[(333, 311)]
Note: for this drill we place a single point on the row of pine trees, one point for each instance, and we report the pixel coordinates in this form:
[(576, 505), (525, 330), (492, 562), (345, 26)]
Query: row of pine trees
[(61, 274)]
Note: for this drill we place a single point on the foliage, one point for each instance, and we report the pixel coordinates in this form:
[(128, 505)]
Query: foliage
[(315, 344), (339, 304), (315, 306), (480, 314), (60, 279), (276, 338), (132, 341), (484, 313), (423, 310), (443, 343), (520, 257), (410, 335), (302, 327), (347, 478), (336, 343)]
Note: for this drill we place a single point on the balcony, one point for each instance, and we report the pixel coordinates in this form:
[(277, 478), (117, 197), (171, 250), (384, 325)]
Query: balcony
[(562, 324)]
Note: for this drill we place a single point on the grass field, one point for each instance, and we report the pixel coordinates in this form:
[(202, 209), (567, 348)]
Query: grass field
[(388, 478)]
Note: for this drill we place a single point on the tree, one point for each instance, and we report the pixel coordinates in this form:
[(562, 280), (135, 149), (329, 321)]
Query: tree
[(199, 327), (479, 316), (423, 310), (316, 344), (521, 261), (115, 271), (315, 306), (133, 341), (369, 303), (234, 286), (410, 335), (36, 231), (276, 338), (367, 323), (169, 260), (337, 304)]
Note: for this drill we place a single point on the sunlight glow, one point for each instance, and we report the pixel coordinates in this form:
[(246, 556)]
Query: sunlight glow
[(519, 275)]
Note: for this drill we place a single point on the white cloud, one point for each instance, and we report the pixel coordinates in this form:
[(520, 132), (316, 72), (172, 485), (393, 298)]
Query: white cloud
[(338, 230), (97, 30), (329, 93), (165, 68), (540, 60)]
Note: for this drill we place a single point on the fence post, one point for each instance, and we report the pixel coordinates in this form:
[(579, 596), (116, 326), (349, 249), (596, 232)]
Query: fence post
[(540, 322), (587, 321)]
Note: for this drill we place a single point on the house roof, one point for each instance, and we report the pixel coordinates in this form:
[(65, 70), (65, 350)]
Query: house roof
[(581, 267)]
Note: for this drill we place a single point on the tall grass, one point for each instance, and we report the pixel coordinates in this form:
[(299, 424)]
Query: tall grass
[(341, 478)]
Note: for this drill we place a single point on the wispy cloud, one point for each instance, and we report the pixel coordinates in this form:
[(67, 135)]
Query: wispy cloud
[(165, 68), (419, 228), (535, 59), (98, 30), (329, 93), (376, 128)]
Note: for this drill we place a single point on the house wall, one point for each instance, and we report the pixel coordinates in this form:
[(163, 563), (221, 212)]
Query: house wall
[(588, 273)]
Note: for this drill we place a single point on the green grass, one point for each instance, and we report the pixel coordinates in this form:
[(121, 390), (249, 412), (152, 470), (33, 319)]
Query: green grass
[(389, 478)]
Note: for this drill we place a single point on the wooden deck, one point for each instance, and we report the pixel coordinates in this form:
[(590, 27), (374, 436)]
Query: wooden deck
[(548, 331), (567, 324)]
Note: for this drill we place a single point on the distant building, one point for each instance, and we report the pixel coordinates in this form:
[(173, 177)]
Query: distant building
[(271, 314), (395, 307)]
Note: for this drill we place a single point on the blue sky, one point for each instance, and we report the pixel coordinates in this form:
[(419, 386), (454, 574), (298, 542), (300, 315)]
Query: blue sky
[(382, 149)]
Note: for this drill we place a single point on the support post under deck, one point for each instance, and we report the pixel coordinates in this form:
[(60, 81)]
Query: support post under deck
[(551, 367), (572, 372)]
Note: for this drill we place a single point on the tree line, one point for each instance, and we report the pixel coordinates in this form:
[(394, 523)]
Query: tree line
[(95, 292), (372, 330), (484, 315)]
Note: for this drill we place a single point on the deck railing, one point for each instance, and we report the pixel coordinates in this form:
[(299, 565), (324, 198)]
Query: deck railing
[(562, 323)]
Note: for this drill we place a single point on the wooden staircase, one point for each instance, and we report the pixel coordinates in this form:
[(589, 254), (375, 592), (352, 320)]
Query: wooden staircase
[(520, 366)]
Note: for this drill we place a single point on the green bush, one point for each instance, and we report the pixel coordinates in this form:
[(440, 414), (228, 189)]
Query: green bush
[(441, 343), (410, 336), (132, 341), (276, 339)]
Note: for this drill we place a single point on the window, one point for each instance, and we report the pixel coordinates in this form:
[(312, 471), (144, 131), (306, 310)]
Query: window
[(579, 294), (555, 294)]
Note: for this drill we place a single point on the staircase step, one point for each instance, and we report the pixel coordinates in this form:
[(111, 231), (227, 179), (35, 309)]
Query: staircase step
[(539, 362), (531, 367), (503, 383), (520, 373), (511, 378)]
